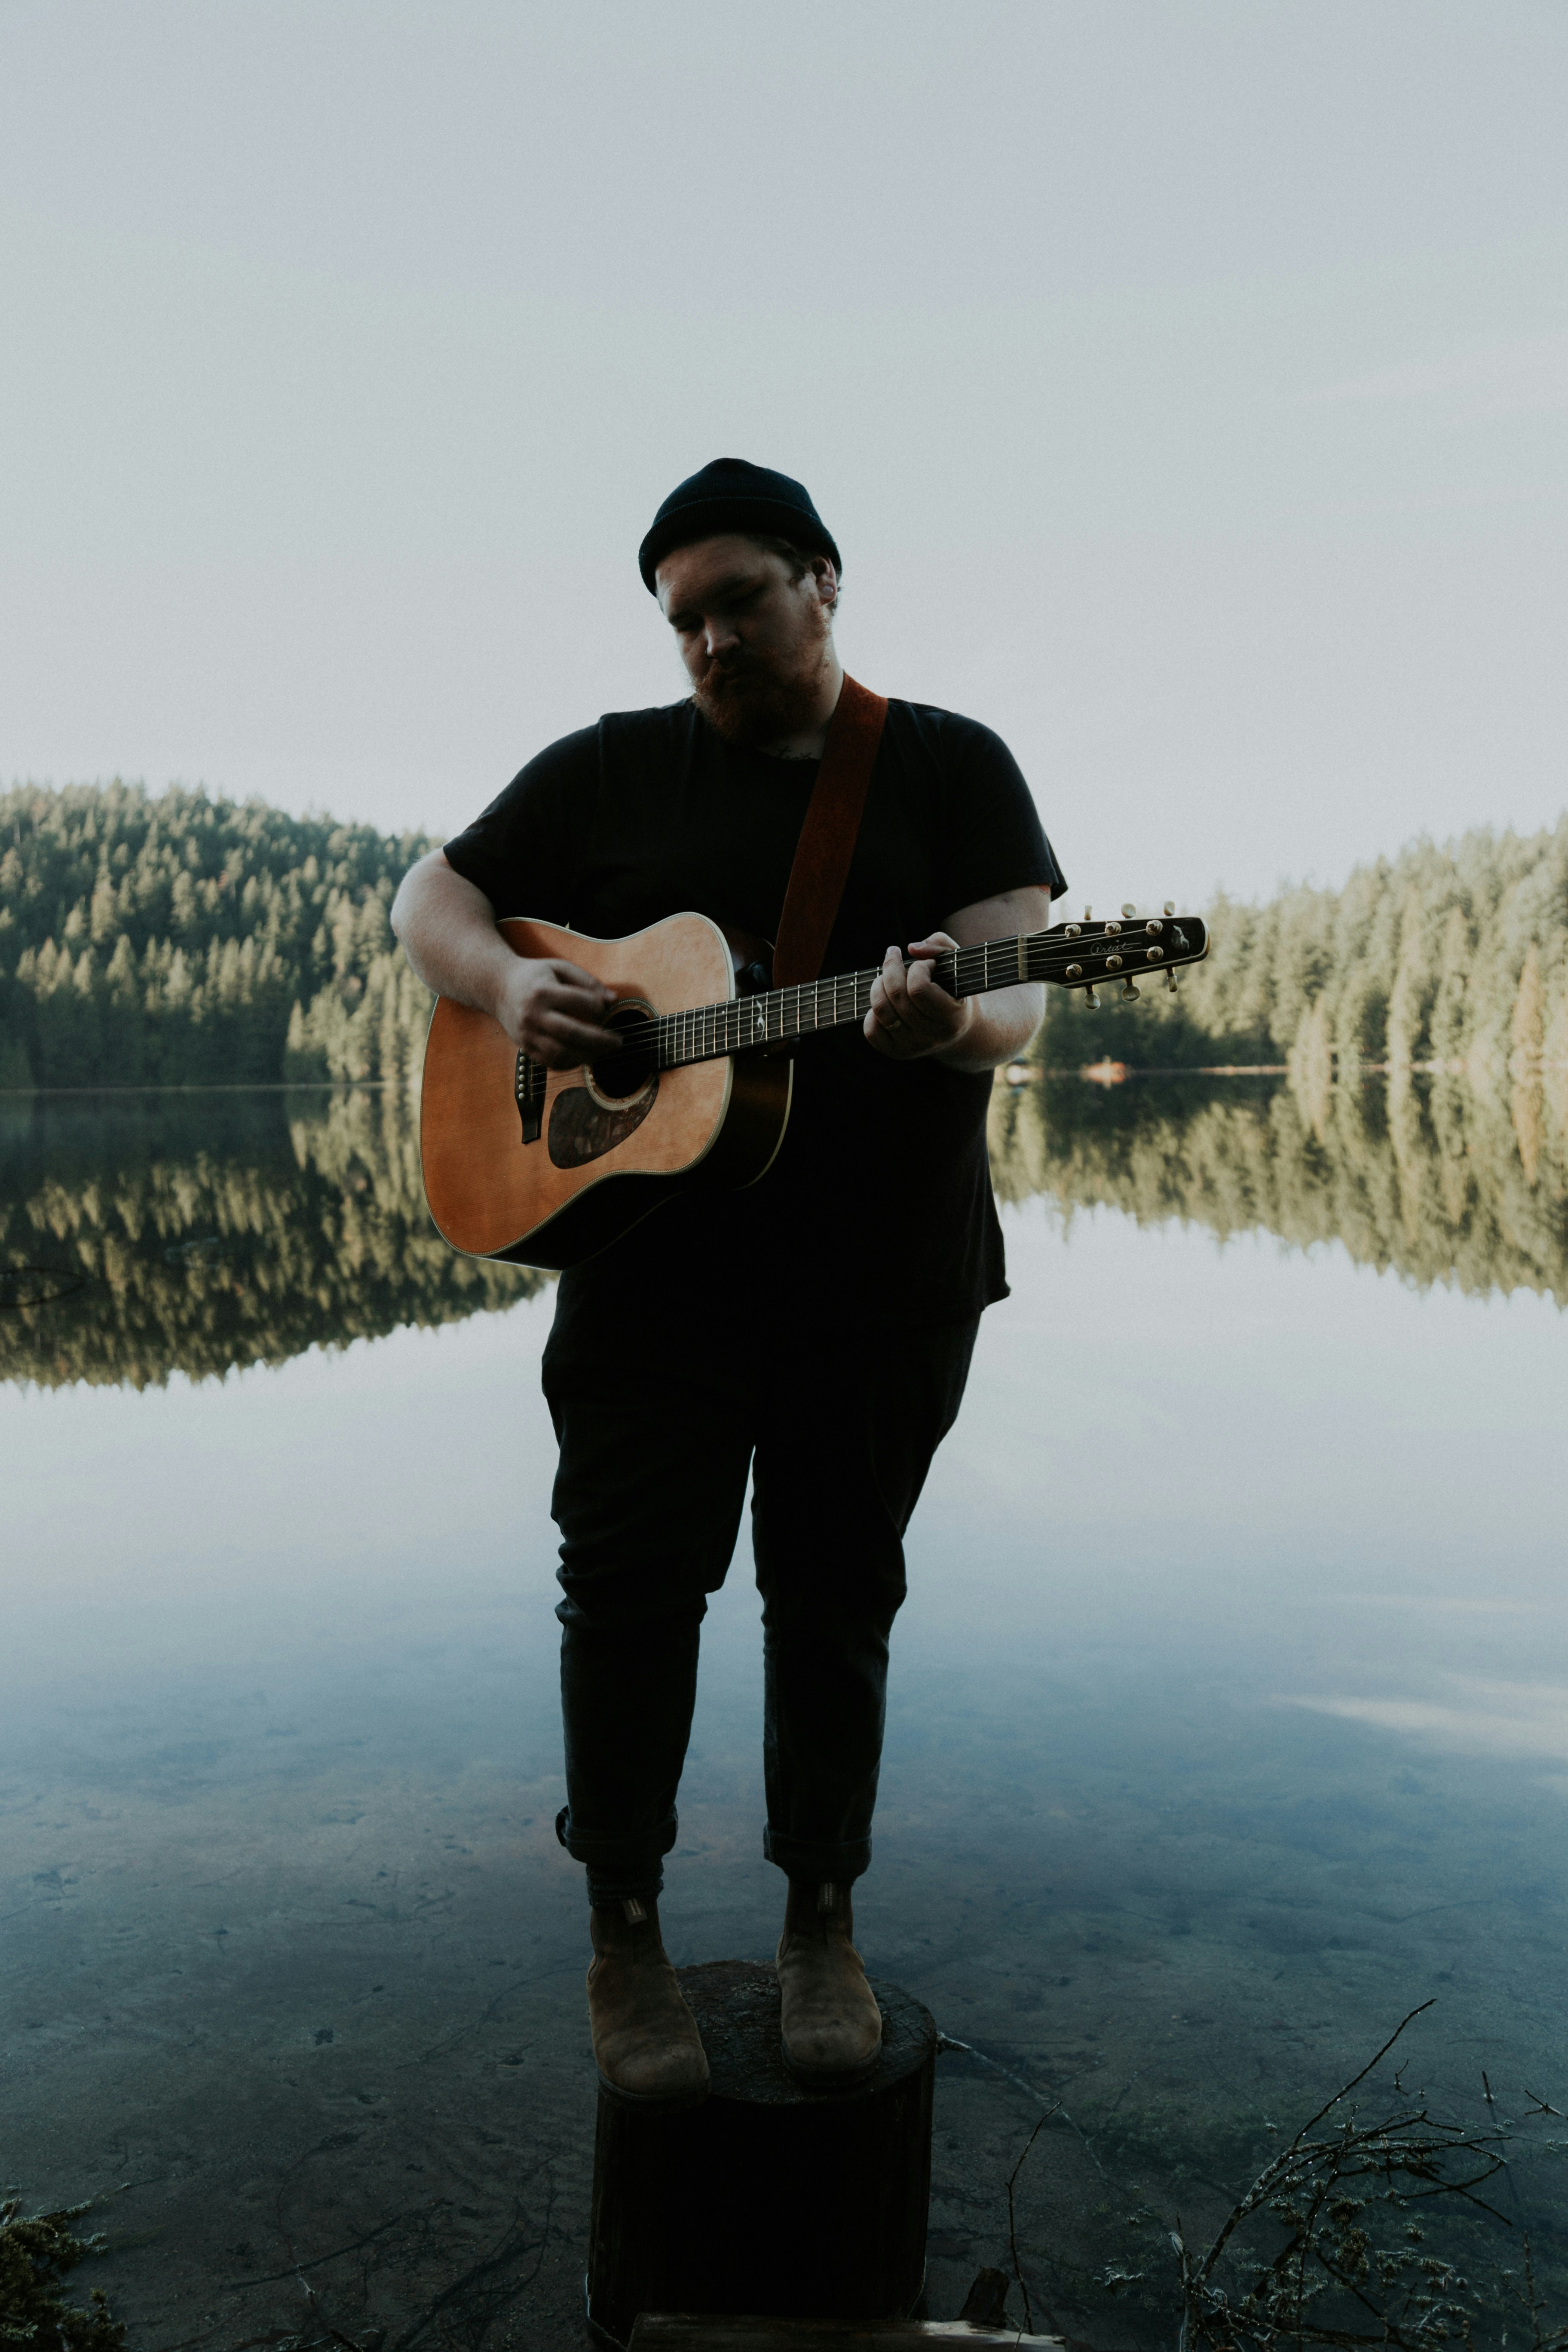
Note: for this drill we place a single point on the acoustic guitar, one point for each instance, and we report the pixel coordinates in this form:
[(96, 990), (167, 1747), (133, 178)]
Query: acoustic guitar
[(544, 1167)]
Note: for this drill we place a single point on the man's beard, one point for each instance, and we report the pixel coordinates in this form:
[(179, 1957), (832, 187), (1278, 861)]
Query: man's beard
[(750, 700)]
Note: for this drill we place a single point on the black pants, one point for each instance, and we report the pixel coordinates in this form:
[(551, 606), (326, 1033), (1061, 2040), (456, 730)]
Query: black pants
[(838, 1437)]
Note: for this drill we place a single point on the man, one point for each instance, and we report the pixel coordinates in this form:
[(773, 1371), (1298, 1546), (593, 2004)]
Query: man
[(815, 1327)]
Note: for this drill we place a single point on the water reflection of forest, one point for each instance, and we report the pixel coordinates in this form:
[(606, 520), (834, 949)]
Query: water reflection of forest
[(195, 1232), (167, 1233), (1439, 1180)]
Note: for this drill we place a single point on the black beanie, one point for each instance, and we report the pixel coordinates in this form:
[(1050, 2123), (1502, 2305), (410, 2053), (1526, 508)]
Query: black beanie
[(731, 495)]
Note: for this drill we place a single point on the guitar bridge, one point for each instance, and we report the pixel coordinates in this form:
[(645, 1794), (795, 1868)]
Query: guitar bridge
[(531, 1080)]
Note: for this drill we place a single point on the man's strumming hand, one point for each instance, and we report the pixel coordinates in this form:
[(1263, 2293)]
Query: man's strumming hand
[(553, 1012), (549, 1010), (912, 1013)]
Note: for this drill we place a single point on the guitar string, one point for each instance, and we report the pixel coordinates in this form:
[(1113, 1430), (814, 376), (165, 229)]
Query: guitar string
[(712, 1031), (783, 1013)]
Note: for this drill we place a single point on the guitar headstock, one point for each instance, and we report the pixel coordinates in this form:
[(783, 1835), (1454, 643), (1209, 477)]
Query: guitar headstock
[(1131, 948)]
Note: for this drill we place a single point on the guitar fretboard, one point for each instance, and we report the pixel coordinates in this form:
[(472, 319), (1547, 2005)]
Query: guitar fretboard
[(1072, 955), (703, 1032)]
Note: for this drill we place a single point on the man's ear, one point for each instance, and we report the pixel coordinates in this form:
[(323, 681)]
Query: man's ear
[(826, 573)]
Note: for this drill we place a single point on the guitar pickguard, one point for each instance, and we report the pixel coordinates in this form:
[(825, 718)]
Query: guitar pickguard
[(582, 1128)]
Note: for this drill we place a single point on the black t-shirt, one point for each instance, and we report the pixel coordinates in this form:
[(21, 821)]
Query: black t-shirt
[(879, 1206)]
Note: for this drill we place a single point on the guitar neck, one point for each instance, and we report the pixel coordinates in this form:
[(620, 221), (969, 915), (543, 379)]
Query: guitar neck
[(1072, 955)]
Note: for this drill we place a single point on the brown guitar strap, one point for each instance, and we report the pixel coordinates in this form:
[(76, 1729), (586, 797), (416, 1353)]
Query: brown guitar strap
[(829, 834)]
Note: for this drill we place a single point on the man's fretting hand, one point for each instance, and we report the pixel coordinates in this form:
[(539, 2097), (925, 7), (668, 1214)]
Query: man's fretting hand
[(554, 1012), (912, 1013)]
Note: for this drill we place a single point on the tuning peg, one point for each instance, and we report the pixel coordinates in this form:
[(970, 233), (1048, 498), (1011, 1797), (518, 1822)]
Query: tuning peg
[(1090, 999), (1130, 908), (1170, 906), (1129, 994), (1170, 979), (1088, 914)]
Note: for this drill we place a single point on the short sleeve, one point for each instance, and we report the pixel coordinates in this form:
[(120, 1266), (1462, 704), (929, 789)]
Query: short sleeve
[(526, 850), (992, 838)]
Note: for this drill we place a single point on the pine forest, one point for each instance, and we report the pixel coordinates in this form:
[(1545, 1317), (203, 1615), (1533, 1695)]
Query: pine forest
[(150, 1236), (184, 940), (179, 940)]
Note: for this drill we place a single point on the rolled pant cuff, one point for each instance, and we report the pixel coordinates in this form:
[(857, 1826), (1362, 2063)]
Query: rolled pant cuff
[(618, 1867), (814, 1859)]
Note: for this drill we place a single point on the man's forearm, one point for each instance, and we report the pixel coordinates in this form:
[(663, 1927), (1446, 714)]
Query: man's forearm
[(1001, 1024), (447, 929), (549, 1009)]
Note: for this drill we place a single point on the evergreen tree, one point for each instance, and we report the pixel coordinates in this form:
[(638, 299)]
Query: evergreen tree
[(179, 940), (154, 1237), (1428, 1176), (167, 940), (1418, 961)]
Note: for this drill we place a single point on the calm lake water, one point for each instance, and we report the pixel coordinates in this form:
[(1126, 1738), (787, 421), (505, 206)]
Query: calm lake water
[(1229, 1716)]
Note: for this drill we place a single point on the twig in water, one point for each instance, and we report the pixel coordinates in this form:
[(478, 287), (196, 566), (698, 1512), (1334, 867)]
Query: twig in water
[(1391, 2294), (1013, 2223), (950, 2042)]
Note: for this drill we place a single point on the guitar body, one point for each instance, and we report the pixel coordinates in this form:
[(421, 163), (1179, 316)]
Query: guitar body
[(601, 1158), (545, 1167)]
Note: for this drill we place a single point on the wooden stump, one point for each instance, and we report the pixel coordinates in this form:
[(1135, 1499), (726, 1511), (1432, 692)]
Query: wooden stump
[(768, 2198)]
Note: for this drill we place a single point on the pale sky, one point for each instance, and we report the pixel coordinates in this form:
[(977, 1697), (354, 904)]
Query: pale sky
[(1185, 383)]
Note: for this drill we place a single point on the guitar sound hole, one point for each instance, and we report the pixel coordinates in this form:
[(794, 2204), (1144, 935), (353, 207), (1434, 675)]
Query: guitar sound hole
[(622, 1078)]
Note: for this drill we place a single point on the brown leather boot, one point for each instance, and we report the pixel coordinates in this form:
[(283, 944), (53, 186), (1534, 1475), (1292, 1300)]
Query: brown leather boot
[(645, 2043), (831, 2024)]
